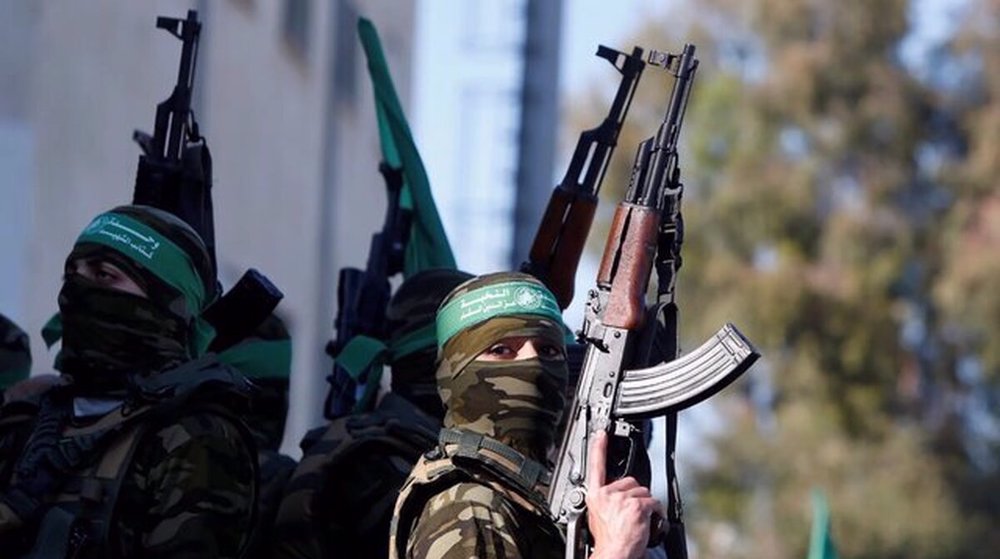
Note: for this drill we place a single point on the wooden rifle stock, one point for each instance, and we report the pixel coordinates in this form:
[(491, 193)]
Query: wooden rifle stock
[(561, 238)]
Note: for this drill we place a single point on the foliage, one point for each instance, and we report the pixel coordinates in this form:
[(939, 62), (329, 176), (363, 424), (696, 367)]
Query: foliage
[(842, 208)]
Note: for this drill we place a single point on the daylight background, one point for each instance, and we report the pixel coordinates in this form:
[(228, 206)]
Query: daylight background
[(842, 207)]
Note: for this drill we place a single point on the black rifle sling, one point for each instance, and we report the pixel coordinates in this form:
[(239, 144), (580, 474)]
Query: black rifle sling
[(668, 350), (465, 456), (526, 474)]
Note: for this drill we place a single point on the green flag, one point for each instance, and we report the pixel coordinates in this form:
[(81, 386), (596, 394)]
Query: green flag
[(428, 245), (820, 541)]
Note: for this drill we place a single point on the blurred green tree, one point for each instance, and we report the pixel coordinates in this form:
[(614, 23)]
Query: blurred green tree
[(841, 207)]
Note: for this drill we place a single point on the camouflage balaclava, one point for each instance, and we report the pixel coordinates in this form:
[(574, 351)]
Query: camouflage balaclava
[(515, 402), (412, 336), (15, 353), (266, 358), (108, 333)]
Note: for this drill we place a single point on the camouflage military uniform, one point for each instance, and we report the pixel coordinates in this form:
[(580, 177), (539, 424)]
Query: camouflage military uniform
[(480, 493), (141, 454), (340, 499), (15, 355), (192, 485), (15, 364), (176, 474), (266, 358), (474, 497)]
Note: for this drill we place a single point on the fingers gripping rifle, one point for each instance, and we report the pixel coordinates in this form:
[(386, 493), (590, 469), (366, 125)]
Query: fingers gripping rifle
[(617, 387), (362, 298), (175, 175), (562, 233)]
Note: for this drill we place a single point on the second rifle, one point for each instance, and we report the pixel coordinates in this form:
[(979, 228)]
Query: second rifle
[(175, 175), (558, 244)]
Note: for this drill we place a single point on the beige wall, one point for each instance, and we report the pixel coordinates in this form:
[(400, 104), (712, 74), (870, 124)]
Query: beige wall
[(102, 67)]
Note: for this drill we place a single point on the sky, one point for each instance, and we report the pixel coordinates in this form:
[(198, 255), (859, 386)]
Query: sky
[(588, 23)]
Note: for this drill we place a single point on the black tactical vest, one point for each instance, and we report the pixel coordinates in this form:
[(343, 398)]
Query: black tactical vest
[(340, 500)]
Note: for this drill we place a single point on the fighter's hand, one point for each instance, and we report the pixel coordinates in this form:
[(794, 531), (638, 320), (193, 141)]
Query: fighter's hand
[(618, 513)]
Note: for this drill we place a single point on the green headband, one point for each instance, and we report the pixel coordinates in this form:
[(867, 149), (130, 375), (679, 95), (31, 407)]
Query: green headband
[(421, 338), (14, 375), (258, 358), (502, 299), (151, 250)]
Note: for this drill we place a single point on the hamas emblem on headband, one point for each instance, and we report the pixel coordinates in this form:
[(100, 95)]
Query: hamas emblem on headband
[(528, 298)]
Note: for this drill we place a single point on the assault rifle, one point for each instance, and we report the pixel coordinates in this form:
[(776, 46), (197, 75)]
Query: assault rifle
[(562, 233), (175, 175), (175, 168), (617, 387), (362, 298)]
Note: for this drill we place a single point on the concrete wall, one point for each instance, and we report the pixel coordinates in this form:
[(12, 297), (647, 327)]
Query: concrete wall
[(18, 32)]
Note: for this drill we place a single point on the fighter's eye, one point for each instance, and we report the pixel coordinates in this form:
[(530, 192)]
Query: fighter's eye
[(501, 350), (550, 351), (107, 273)]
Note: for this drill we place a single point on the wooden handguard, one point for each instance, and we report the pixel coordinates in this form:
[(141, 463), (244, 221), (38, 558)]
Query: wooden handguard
[(627, 264), (559, 242)]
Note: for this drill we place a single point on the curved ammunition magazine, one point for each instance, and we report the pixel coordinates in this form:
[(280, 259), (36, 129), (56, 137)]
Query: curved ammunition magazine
[(681, 383)]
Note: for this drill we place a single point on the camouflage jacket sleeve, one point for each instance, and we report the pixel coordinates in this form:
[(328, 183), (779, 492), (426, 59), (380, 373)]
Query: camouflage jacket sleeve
[(189, 493), (473, 520)]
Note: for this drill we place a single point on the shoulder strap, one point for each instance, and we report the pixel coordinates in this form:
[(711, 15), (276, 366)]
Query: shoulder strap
[(465, 456), (527, 475)]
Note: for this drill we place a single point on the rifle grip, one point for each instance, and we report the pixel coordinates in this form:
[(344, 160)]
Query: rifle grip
[(627, 263)]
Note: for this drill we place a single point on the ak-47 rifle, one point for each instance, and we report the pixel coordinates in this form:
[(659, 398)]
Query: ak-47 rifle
[(175, 175), (562, 233), (175, 168), (362, 298), (617, 386)]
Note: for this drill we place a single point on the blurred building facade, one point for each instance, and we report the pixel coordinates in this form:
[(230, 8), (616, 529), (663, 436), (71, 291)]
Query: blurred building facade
[(285, 102), (18, 29), (472, 160)]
